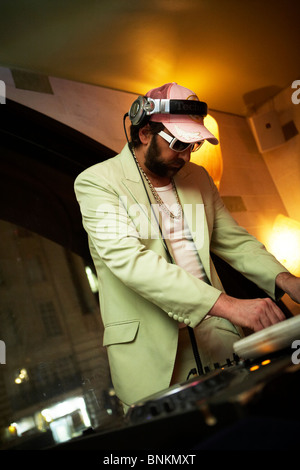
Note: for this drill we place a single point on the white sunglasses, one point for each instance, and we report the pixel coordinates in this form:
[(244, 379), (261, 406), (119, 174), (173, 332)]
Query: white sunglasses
[(178, 145)]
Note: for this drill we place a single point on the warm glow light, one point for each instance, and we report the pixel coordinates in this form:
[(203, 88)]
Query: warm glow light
[(209, 156), (264, 363), (253, 368), (284, 243), (12, 429), (22, 376)]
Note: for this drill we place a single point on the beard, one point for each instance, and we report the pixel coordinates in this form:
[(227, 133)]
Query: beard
[(155, 163)]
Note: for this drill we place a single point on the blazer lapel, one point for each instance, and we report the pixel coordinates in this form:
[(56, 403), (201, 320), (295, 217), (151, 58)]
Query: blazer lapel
[(195, 213), (138, 189), (189, 195), (132, 179)]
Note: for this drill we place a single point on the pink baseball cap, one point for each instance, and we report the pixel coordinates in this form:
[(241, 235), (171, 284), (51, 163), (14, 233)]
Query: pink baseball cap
[(187, 128)]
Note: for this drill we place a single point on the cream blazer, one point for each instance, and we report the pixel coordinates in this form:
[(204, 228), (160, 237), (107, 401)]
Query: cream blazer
[(142, 295)]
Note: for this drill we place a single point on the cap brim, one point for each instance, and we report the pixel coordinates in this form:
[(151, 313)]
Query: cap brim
[(190, 132)]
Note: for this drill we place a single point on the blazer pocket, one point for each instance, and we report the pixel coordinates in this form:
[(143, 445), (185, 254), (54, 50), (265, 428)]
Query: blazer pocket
[(124, 332)]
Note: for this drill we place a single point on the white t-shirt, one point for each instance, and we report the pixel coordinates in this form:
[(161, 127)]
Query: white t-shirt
[(178, 233)]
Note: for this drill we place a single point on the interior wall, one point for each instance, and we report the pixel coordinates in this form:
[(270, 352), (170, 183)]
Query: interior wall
[(284, 162), (94, 111), (255, 187), (247, 187), (98, 112), (247, 184)]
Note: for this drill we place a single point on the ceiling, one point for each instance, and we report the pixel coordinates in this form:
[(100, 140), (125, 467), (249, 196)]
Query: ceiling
[(234, 54)]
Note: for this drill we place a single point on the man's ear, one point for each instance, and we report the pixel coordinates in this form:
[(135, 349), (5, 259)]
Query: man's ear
[(145, 134)]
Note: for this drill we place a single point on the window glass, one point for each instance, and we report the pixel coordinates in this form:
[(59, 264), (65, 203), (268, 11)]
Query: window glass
[(54, 376)]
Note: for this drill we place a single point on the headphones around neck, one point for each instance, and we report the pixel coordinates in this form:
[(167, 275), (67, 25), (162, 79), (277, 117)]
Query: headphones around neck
[(143, 107)]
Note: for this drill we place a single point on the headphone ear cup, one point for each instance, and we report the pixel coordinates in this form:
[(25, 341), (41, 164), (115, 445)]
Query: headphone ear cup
[(137, 113)]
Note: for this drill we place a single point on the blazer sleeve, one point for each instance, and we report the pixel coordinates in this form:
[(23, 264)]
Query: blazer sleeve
[(117, 243), (241, 250)]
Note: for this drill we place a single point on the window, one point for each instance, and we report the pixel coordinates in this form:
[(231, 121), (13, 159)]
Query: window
[(50, 320), (35, 269), (49, 317), (46, 332)]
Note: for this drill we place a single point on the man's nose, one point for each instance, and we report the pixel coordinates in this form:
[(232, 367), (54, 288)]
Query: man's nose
[(186, 155)]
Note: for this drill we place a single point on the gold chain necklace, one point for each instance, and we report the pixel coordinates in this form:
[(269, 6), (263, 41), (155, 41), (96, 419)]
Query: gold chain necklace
[(157, 196)]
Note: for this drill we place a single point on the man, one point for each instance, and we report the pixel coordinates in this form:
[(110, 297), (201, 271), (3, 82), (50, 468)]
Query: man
[(152, 219)]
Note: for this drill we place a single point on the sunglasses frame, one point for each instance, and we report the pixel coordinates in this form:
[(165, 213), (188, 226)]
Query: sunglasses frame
[(173, 140)]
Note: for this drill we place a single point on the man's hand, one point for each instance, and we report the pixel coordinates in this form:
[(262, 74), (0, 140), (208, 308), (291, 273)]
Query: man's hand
[(289, 284), (255, 314)]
